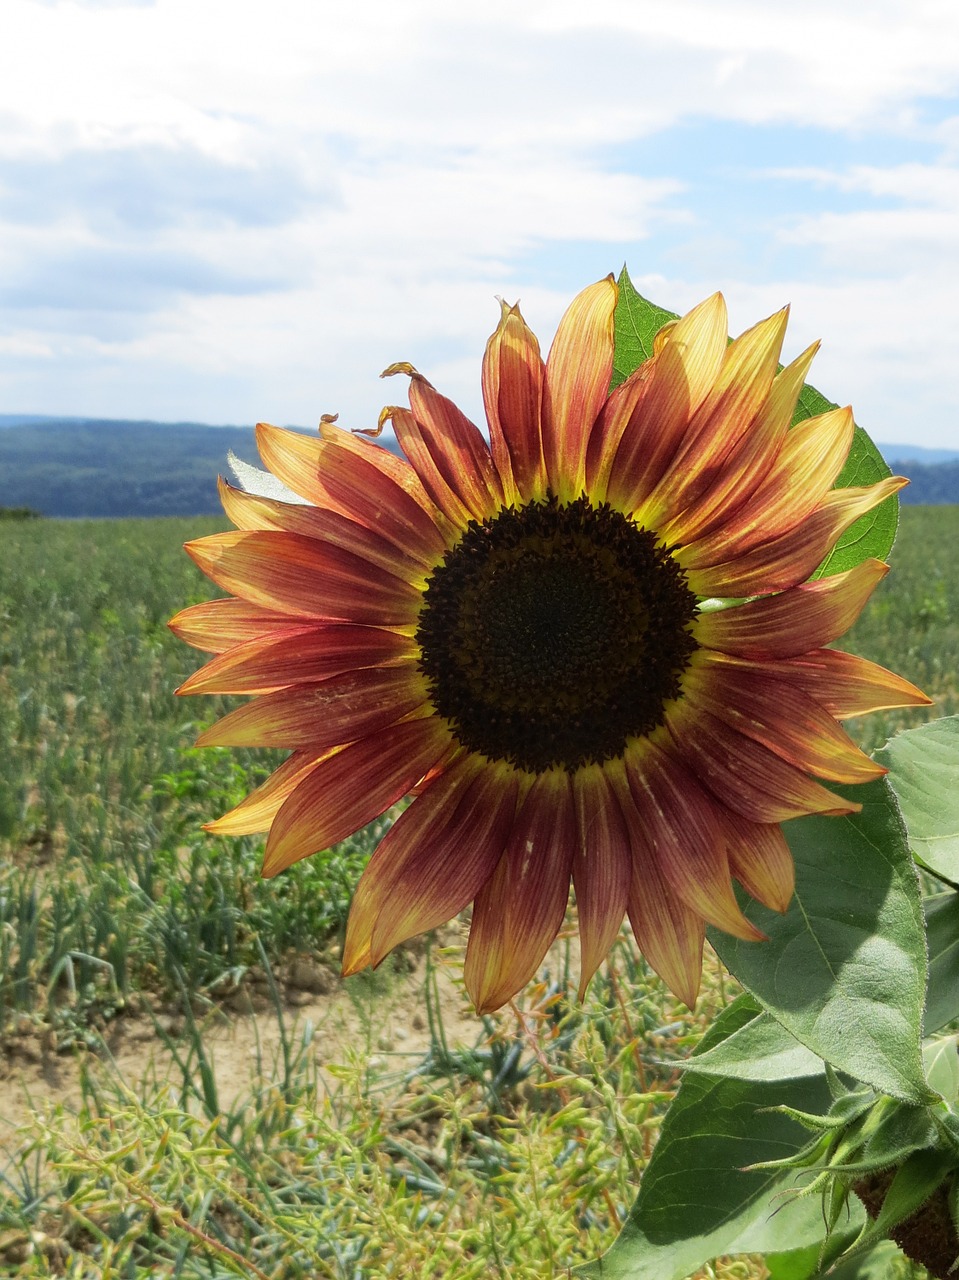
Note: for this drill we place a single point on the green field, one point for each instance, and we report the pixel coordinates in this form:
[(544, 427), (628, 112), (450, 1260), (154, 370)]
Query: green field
[(514, 1158)]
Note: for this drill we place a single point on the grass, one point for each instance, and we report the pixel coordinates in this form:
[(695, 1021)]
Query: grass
[(514, 1157)]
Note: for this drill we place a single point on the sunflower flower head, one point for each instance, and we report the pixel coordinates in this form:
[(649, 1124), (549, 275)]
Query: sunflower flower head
[(589, 647)]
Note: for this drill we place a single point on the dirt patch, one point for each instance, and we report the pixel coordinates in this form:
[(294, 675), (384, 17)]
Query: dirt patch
[(382, 1019)]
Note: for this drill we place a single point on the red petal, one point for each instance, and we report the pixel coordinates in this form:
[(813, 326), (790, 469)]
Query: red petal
[(684, 831), (670, 936), (293, 574), (458, 454), (300, 656), (760, 860), (358, 479), (622, 415), (513, 379), (746, 776), (683, 370), (319, 716), (433, 861), (250, 511), (783, 626), (520, 909), (602, 869), (841, 683), (578, 370), (447, 499), (351, 787), (781, 717), (790, 558), (217, 625)]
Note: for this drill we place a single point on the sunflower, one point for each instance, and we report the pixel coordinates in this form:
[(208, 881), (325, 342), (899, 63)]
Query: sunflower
[(590, 648)]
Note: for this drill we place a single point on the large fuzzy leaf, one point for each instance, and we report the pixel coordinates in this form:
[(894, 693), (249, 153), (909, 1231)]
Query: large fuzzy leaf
[(762, 1049), (923, 769), (942, 938), (844, 969)]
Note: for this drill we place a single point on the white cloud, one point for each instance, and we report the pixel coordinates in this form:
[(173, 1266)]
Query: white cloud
[(226, 211)]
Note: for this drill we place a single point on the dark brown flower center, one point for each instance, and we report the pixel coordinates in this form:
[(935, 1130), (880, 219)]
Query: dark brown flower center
[(552, 634)]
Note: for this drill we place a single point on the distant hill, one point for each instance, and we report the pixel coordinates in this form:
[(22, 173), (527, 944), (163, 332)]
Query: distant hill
[(915, 453), (99, 467), (933, 473), (87, 467), (929, 486)]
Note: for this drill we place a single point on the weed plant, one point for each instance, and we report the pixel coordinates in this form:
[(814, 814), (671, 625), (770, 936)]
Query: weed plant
[(107, 882), (513, 1157)]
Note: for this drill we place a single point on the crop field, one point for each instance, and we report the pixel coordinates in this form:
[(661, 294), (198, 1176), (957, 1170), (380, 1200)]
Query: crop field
[(512, 1150)]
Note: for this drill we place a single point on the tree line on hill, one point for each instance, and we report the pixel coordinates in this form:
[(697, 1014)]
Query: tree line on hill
[(92, 468), (108, 468)]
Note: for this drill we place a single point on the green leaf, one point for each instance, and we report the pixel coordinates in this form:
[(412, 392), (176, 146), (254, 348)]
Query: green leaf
[(636, 323), (942, 1067), (923, 768), (761, 1050), (844, 969), (942, 938), (803, 1264), (695, 1200)]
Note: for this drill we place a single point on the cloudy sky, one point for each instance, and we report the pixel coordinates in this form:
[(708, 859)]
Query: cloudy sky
[(222, 211)]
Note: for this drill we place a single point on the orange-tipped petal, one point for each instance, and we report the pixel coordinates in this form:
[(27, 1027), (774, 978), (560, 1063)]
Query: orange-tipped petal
[(250, 511), (351, 787), (256, 812), (326, 714), (842, 683), (617, 416), (721, 422), (303, 576), (785, 625), (745, 775), (811, 458), (513, 380), (685, 836), (217, 625), (602, 869), (790, 558), (457, 451), (748, 464), (578, 370), (520, 909), (669, 934), (781, 717), (360, 480), (433, 861), (760, 860), (683, 370), (302, 656)]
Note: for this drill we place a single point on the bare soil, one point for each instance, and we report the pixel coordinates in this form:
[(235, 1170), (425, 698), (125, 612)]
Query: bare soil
[(380, 1018)]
